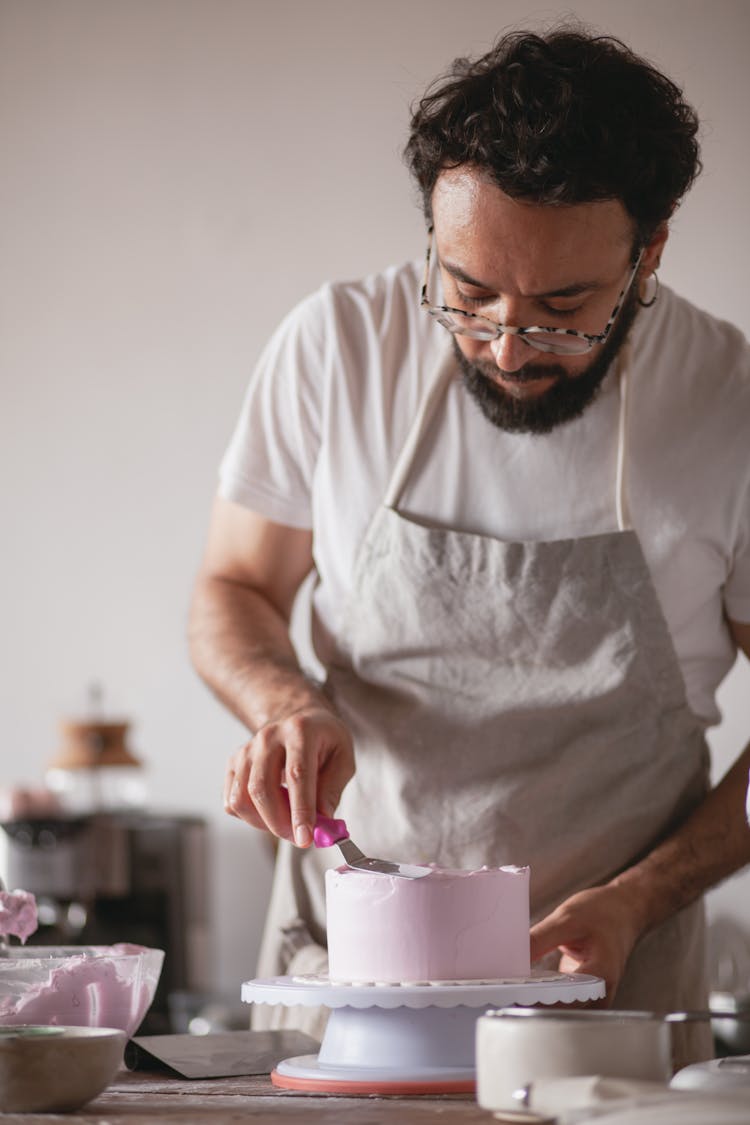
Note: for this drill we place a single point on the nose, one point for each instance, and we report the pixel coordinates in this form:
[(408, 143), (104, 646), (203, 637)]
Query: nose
[(510, 352)]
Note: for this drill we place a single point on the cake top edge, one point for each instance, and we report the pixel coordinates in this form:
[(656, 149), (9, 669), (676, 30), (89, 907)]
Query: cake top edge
[(438, 872)]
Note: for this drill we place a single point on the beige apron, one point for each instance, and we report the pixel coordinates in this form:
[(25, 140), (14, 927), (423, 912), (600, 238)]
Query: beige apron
[(510, 703)]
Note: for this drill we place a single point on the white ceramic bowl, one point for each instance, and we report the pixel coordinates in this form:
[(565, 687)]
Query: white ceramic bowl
[(518, 1046), (78, 986), (56, 1069), (732, 1072)]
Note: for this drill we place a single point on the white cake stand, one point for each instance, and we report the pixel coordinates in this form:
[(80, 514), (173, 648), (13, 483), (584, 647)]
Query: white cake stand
[(410, 1038)]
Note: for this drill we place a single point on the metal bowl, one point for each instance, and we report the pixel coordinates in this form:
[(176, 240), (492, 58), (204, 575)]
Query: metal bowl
[(732, 1027)]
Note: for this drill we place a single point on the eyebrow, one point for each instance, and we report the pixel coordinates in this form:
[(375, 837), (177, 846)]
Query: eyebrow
[(573, 290)]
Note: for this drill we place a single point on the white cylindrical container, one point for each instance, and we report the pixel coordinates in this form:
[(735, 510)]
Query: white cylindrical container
[(516, 1046)]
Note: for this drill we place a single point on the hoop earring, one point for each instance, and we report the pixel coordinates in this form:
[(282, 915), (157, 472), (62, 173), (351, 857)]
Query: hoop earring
[(647, 304)]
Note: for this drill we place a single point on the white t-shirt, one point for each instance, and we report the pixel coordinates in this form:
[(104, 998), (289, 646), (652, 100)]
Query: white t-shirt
[(337, 387)]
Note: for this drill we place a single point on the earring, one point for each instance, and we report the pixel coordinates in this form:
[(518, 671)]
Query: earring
[(647, 304)]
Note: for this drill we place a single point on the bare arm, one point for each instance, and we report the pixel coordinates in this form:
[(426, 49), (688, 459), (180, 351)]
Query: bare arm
[(597, 929), (240, 645)]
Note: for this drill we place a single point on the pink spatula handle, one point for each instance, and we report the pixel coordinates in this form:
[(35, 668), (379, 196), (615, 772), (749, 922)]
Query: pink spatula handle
[(328, 831)]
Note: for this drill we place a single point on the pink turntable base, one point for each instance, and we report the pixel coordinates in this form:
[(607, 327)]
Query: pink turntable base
[(404, 1038)]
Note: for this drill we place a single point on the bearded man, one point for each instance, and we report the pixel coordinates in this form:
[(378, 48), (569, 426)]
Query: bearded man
[(519, 477)]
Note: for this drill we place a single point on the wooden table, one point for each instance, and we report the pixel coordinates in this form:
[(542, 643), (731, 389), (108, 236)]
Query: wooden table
[(143, 1098)]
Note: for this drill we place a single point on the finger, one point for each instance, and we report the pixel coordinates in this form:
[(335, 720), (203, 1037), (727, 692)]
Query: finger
[(551, 933), (578, 960), (595, 967), (227, 786), (230, 773), (301, 783), (300, 786), (236, 800), (227, 791), (264, 783)]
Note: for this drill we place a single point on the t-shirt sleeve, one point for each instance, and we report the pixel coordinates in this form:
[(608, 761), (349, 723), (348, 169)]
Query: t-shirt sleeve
[(270, 461), (737, 588)]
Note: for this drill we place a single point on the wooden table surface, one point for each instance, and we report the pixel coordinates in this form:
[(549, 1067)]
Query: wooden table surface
[(145, 1098)]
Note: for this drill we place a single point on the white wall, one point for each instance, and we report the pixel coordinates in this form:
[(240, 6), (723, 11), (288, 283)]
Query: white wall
[(176, 173)]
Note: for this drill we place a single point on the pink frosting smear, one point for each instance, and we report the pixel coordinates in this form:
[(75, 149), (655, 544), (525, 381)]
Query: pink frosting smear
[(112, 988), (18, 914)]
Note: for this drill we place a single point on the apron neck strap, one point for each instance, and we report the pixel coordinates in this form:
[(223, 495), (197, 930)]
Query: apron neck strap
[(425, 413), (434, 396), (621, 497)]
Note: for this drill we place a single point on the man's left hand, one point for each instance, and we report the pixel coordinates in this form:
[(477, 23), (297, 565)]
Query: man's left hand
[(595, 932)]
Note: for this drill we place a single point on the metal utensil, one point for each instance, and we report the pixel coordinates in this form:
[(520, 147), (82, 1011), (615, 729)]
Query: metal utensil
[(328, 832)]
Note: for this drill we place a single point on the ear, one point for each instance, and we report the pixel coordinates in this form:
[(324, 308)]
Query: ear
[(652, 252)]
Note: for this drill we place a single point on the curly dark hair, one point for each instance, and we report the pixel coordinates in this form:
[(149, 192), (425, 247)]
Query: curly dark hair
[(566, 117)]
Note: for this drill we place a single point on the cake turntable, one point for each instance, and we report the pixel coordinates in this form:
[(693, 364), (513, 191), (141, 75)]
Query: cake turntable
[(409, 1038)]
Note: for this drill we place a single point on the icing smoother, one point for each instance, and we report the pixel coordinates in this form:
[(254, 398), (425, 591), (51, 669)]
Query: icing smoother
[(449, 925), (18, 914)]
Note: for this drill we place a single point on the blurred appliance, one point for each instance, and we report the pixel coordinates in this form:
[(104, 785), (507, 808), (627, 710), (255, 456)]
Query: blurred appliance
[(118, 876), (729, 969), (94, 769)]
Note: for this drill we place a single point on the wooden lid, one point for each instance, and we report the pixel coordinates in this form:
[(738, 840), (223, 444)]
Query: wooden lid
[(89, 745)]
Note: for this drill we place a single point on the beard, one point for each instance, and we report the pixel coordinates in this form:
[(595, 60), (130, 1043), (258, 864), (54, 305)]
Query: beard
[(565, 400)]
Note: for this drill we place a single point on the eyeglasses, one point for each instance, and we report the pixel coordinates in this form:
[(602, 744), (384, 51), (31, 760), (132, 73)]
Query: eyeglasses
[(559, 341)]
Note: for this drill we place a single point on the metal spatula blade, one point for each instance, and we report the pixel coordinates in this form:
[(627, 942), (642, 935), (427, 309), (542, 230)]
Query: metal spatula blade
[(328, 832)]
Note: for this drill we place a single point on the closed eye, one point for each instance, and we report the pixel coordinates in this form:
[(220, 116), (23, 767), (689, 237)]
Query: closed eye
[(561, 312), (546, 308), (465, 299)]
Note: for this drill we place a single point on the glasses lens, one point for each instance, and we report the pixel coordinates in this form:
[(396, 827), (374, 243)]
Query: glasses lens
[(474, 326), (557, 342), (477, 328)]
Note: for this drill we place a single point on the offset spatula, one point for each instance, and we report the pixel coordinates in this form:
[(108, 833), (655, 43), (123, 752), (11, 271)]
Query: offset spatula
[(328, 832)]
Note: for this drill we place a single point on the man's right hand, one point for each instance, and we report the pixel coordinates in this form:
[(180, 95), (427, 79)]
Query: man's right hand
[(239, 640), (310, 752)]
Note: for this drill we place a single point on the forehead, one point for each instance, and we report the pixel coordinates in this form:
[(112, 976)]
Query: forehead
[(490, 234)]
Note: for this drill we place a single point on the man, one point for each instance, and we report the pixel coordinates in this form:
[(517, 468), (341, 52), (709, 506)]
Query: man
[(526, 506)]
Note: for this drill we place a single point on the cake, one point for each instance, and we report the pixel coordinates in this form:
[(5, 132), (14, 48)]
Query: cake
[(449, 925)]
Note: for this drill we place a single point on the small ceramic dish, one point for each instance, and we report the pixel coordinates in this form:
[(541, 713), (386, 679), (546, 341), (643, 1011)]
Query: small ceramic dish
[(47, 1069)]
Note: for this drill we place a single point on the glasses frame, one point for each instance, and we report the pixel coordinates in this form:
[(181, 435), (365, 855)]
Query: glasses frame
[(498, 330)]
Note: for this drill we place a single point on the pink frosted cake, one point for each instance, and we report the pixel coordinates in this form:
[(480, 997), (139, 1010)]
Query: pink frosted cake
[(449, 925)]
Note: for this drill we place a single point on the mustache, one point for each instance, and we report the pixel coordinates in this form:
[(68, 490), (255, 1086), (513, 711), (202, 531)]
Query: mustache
[(530, 373)]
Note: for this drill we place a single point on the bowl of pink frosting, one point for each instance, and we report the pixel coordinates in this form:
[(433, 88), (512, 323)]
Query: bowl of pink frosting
[(70, 986), (78, 986)]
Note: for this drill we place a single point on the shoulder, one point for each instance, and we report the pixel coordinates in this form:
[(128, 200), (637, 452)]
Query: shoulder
[(373, 298), (690, 365), (344, 324), (690, 406), (383, 304), (367, 342), (686, 345)]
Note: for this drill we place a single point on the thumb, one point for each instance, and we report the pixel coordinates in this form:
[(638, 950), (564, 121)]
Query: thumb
[(549, 934)]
